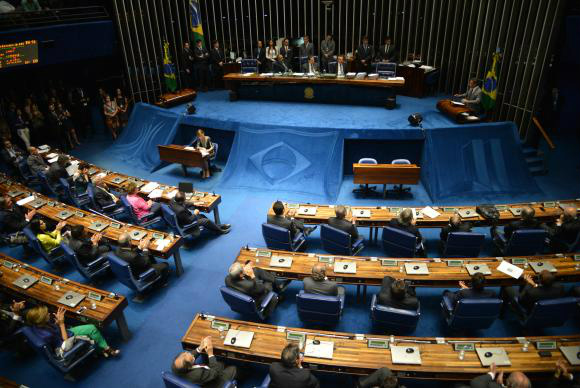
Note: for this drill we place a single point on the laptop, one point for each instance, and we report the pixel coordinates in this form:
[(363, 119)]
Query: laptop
[(344, 267), (185, 187), (118, 180), (416, 269), (361, 213), (572, 354), (98, 226), (239, 338), (405, 355), (467, 213), (64, 214), (472, 269), (71, 299), (138, 235), (488, 356), (516, 211), (539, 266), (25, 281), (37, 203), (279, 261), (307, 210)]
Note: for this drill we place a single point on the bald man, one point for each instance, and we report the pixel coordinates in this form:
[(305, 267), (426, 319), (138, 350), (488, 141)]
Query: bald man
[(565, 231), (495, 379), (528, 221), (319, 284), (455, 225), (139, 258)]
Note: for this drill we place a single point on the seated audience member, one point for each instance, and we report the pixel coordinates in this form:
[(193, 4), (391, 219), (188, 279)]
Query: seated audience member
[(48, 240), (11, 316), (185, 216), (338, 68), (396, 294), (532, 292), (381, 378), (55, 333), (287, 222), (310, 66), (253, 282), (81, 179), (35, 161), (279, 65), (477, 289), (340, 223), (318, 283), (57, 170), (11, 154), (103, 197), (86, 249), (210, 374), (139, 258), (565, 231), (455, 225), (139, 205), (495, 379), (203, 142), (289, 373), (528, 221), (405, 221), (563, 378), (12, 217)]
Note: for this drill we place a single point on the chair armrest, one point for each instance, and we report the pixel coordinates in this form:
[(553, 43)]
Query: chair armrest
[(500, 237), (147, 275), (109, 207), (374, 302), (342, 298), (79, 347), (146, 216), (358, 242), (230, 384), (266, 381), (299, 236), (266, 301), (447, 303), (97, 262), (187, 227)]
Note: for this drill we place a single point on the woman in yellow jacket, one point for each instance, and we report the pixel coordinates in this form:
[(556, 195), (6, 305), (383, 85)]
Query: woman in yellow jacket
[(48, 240)]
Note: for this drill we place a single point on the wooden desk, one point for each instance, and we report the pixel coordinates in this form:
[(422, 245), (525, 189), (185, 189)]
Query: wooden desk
[(398, 174), (185, 155), (280, 79), (415, 80), (353, 356), (108, 309), (110, 233), (169, 99), (5, 383), (458, 113)]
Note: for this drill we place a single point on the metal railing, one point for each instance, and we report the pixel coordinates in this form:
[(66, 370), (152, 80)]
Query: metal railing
[(14, 20)]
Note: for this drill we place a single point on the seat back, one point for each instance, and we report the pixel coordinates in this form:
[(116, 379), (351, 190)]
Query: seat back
[(401, 161), (239, 302), (319, 309), (72, 258), (51, 257), (367, 161), (122, 271), (91, 195), (47, 186), (68, 194), (335, 240), (463, 244), (216, 147), (475, 313), (526, 242), (25, 170), (129, 209), (169, 217), (399, 243), (551, 312), (393, 319), (173, 381), (385, 70), (249, 66), (277, 237)]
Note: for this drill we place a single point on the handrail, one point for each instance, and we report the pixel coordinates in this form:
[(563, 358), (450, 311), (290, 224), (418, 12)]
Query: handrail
[(52, 16), (544, 133)]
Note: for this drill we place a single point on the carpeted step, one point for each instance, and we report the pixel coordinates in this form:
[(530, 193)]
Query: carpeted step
[(535, 161), (529, 151), (538, 170)]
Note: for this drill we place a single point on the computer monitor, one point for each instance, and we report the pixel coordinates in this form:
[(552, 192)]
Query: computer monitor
[(185, 187)]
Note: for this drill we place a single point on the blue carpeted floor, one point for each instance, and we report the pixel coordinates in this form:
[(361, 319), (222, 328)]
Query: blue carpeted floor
[(159, 323)]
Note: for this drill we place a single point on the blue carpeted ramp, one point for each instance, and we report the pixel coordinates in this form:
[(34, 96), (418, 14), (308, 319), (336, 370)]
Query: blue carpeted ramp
[(284, 159), (483, 160)]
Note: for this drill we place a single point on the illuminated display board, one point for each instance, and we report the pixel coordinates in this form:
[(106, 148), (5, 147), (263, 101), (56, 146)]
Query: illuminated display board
[(19, 53)]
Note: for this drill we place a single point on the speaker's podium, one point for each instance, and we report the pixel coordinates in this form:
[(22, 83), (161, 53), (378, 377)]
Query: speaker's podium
[(170, 99)]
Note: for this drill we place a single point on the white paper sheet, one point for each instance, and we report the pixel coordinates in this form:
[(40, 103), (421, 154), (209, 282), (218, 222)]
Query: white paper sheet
[(24, 201), (44, 147), (52, 155), (157, 193), (51, 161), (72, 169), (430, 212), (325, 349), (510, 269), (189, 148), (162, 243), (149, 187), (172, 194)]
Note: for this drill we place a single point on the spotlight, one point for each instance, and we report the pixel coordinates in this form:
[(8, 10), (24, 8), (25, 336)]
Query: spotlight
[(415, 119), (190, 109)]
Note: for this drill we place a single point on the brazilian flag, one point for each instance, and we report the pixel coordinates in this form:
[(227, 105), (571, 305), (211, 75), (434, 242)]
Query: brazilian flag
[(168, 69), (490, 85), (195, 18)]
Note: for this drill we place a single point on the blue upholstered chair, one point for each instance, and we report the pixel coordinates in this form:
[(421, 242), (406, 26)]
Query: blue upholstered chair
[(92, 270), (266, 382), (400, 243), (393, 319), (470, 313), (277, 237), (400, 189), (385, 70), (113, 211), (71, 198), (522, 242), (79, 352), (547, 313), (562, 246), (249, 66), (192, 230), (146, 222), (463, 244), (30, 178), (173, 381), (50, 189), (123, 273), (246, 305), (319, 309), (338, 242), (365, 189), (54, 257)]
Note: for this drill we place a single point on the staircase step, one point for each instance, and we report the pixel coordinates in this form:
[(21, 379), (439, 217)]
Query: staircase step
[(538, 170), (529, 151), (535, 161)]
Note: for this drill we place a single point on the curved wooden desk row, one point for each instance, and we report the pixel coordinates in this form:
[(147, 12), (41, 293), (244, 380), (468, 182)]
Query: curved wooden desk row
[(205, 202), (352, 355), (281, 79), (5, 383), (371, 270), (98, 307), (163, 244)]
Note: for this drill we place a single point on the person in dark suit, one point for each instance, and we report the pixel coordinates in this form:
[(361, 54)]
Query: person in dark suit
[(364, 55), (187, 215), (187, 59), (307, 48), (280, 66), (210, 374), (103, 197), (11, 154), (381, 378), (35, 161), (387, 52), (201, 57), (565, 231), (11, 316), (12, 217), (87, 250), (260, 55), (57, 170), (405, 221), (455, 225), (286, 52), (396, 294), (310, 66), (477, 289), (139, 258), (217, 60), (253, 282), (532, 292), (338, 68), (563, 378), (319, 284), (528, 221), (340, 223), (494, 379), (287, 222), (327, 51), (289, 373)]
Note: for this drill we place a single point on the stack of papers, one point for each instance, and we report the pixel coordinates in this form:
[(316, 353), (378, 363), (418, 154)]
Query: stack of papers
[(430, 212), (149, 187), (172, 194), (52, 155), (510, 269), (157, 193), (72, 169), (189, 148), (53, 160), (266, 74), (162, 243), (350, 75), (24, 201), (361, 75), (325, 349), (396, 78), (247, 74)]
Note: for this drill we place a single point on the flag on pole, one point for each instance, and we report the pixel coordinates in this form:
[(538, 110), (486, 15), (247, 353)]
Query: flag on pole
[(490, 85), (168, 69), (195, 18)]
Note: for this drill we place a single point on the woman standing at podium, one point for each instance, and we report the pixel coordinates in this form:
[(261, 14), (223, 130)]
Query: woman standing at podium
[(203, 143)]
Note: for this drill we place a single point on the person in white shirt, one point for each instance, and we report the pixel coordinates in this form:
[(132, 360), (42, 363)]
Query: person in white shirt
[(310, 67), (271, 54)]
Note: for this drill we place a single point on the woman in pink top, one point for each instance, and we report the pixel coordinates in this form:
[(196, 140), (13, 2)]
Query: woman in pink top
[(139, 205)]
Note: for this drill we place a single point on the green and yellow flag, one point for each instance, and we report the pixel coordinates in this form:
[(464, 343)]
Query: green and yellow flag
[(195, 18), (168, 69), (490, 85)]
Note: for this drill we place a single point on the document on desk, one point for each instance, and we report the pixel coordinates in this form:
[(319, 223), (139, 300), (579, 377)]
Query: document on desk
[(72, 169), (162, 243), (324, 349), (52, 155), (189, 148), (430, 212), (172, 194), (157, 193), (26, 200), (149, 187), (52, 160), (510, 269), (203, 152)]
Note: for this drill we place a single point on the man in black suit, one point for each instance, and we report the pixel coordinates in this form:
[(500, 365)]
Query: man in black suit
[(187, 216), (289, 373), (286, 52), (261, 55), (396, 294), (11, 319), (494, 379), (387, 52), (103, 197), (254, 282), (139, 258), (455, 225), (187, 59), (532, 292), (565, 231), (528, 221), (310, 66), (280, 66), (11, 155), (211, 374), (35, 161), (57, 170), (405, 221), (87, 250), (217, 60), (477, 289), (201, 57), (338, 68), (319, 284), (307, 48), (381, 378), (364, 55), (340, 223), (12, 221), (287, 222)]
